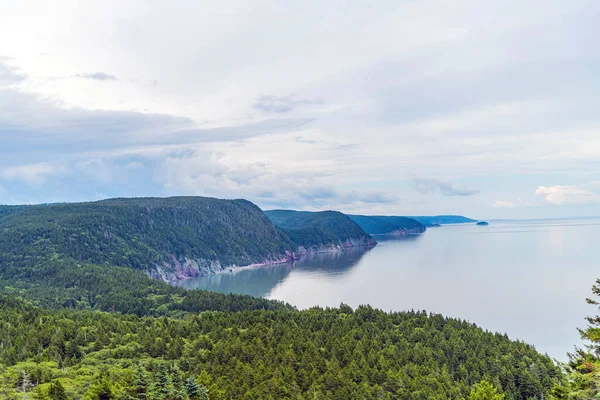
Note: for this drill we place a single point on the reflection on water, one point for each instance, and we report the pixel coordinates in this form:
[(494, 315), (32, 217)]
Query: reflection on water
[(526, 278), (261, 281)]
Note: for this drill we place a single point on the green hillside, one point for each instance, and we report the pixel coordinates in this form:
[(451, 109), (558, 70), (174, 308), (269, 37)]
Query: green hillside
[(169, 237), (98, 255), (319, 228), (314, 354), (443, 219), (380, 224), (108, 331)]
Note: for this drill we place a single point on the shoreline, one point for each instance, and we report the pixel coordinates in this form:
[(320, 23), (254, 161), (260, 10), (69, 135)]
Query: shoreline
[(289, 258)]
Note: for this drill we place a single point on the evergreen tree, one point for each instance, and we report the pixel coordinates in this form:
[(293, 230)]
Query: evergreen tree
[(102, 392), (584, 366), (57, 391), (192, 388), (140, 383), (484, 391), (179, 388), (162, 389)]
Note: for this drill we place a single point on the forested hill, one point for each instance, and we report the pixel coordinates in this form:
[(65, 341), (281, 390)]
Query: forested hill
[(324, 228), (169, 237), (436, 220), (163, 342), (380, 224), (314, 354)]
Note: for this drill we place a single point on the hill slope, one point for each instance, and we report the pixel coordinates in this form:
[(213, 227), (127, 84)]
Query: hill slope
[(380, 224), (317, 354), (436, 220), (316, 231), (169, 238)]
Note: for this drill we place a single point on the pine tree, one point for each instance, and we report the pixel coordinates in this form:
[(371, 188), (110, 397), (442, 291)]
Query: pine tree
[(192, 388), (179, 388), (140, 383), (584, 366), (484, 391), (57, 391), (195, 391), (103, 392), (162, 389)]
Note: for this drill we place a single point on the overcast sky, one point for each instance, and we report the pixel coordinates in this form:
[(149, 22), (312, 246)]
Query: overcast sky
[(489, 109)]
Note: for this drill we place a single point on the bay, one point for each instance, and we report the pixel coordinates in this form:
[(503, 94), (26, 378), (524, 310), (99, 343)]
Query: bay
[(528, 279)]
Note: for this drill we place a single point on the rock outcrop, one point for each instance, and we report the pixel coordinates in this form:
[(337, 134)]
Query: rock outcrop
[(185, 268)]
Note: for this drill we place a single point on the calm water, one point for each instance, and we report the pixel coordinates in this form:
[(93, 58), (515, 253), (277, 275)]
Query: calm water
[(528, 279)]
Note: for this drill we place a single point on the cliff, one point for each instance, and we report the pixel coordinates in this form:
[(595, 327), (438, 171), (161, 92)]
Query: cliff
[(168, 238)]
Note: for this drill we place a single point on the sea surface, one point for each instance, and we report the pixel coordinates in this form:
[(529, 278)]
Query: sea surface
[(528, 279)]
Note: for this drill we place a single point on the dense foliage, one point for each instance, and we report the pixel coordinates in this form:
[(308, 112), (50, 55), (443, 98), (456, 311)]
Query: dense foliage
[(380, 224), (323, 354), (158, 342), (307, 228), (60, 283), (144, 232)]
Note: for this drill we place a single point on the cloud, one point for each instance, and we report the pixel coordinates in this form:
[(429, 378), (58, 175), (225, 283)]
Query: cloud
[(427, 88), (210, 173), (504, 204), (430, 186), (44, 126), (10, 75), (98, 76), (32, 174), (510, 204), (564, 195), (281, 104)]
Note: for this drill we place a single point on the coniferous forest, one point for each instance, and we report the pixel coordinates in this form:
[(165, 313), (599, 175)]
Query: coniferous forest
[(74, 328), (318, 353)]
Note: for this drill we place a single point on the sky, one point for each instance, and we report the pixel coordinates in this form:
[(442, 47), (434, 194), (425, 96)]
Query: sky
[(486, 109)]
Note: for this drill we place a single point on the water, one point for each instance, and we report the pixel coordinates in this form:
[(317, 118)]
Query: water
[(528, 279)]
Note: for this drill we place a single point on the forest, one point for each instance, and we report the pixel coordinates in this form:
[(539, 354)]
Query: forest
[(319, 353), (379, 224), (144, 233), (310, 229), (73, 325)]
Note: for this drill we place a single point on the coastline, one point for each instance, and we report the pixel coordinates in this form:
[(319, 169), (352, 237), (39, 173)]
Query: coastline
[(187, 268)]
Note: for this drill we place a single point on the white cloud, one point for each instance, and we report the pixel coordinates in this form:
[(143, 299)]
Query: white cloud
[(429, 186), (562, 195), (32, 174), (209, 173), (463, 91), (514, 204), (98, 76), (504, 204)]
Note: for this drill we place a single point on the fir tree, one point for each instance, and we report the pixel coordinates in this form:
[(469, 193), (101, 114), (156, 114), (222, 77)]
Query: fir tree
[(140, 383), (192, 388), (179, 388), (584, 366), (162, 389), (57, 391), (484, 391)]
